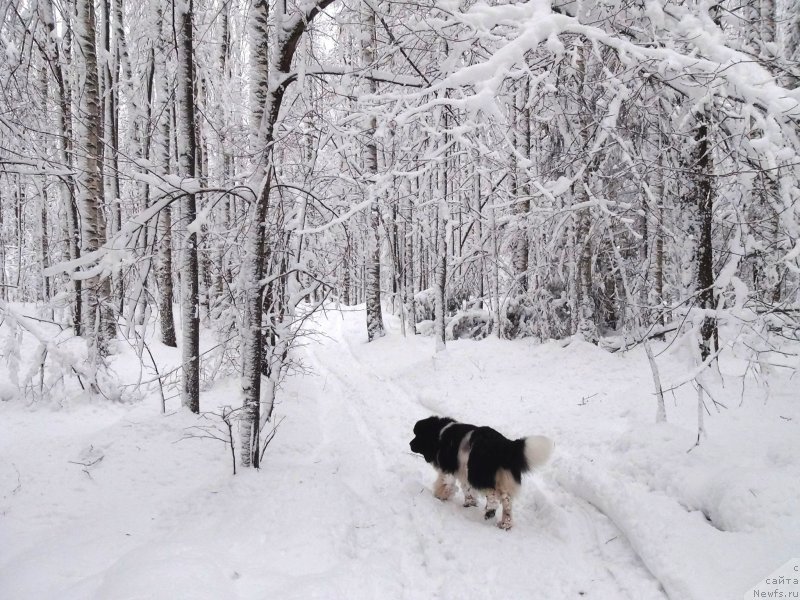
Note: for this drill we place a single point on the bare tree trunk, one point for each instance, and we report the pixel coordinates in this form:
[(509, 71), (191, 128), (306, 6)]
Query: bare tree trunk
[(408, 271), (190, 293), (656, 301), (586, 312), (478, 209), (166, 317), (3, 278), (792, 43), (375, 327), (45, 204), (59, 64), (43, 247), (703, 197), (222, 274), (110, 95), (521, 119), (495, 270), (259, 65), (442, 222), (19, 210), (587, 324), (346, 265), (100, 314), (145, 150), (261, 119), (441, 275), (121, 46)]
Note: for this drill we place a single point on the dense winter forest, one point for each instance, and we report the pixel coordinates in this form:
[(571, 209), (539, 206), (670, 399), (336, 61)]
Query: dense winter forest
[(223, 204)]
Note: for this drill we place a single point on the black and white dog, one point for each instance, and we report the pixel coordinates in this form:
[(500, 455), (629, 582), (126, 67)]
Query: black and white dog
[(480, 458)]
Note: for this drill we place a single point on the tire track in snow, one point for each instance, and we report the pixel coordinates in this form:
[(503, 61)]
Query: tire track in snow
[(358, 443)]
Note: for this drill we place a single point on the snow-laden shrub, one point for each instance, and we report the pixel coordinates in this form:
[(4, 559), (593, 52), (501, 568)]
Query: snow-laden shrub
[(520, 316), (472, 324), (543, 313), (425, 303), (43, 361), (554, 315), (459, 299)]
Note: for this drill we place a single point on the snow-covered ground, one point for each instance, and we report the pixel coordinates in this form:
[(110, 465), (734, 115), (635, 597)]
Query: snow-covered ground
[(103, 500)]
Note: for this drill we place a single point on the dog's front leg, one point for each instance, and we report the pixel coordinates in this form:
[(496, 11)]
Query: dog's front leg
[(506, 522), (444, 488)]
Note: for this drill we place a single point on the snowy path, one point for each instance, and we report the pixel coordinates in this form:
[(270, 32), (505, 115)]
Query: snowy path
[(341, 509), (414, 546)]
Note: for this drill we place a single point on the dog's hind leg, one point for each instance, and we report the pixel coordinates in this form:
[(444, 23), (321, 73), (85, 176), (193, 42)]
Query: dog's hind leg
[(469, 498), (506, 521), (491, 505), (444, 488)]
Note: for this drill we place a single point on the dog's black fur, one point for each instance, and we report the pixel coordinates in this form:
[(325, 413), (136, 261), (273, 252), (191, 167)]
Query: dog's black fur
[(489, 450), (479, 458)]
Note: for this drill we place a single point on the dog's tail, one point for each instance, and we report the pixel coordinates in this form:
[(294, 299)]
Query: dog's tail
[(538, 450)]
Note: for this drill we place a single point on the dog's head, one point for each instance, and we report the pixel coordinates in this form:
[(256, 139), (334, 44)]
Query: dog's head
[(426, 436)]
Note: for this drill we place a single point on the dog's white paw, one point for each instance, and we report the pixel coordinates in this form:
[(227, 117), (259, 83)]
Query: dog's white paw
[(444, 492), (504, 524)]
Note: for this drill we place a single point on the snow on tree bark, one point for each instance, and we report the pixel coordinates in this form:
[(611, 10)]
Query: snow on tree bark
[(190, 293), (375, 328), (163, 160), (702, 194), (521, 129), (100, 316), (58, 61), (440, 276), (587, 326)]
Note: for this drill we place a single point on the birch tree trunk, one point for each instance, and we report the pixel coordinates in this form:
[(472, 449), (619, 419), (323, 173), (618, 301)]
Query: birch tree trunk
[(261, 114), (110, 164), (44, 247), (222, 274), (163, 160), (66, 144), (408, 272), (375, 328), (288, 35), (3, 245), (190, 293), (59, 63), (495, 267), (440, 285), (659, 191), (587, 326), (521, 119), (100, 317), (346, 260), (442, 223)]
